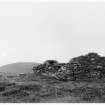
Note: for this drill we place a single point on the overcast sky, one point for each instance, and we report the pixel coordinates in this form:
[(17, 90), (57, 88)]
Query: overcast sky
[(35, 32)]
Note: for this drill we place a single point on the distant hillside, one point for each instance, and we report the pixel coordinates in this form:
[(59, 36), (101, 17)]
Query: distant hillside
[(21, 67)]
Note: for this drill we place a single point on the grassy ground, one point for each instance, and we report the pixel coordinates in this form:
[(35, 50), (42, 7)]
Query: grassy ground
[(51, 91)]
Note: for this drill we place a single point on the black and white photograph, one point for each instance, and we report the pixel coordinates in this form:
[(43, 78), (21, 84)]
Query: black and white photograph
[(52, 52)]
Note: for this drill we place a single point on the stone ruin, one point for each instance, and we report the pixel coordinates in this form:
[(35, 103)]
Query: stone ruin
[(86, 67)]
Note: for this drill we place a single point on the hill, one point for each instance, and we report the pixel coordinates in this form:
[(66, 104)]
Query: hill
[(20, 67)]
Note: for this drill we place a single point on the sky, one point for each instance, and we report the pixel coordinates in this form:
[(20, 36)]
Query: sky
[(38, 31)]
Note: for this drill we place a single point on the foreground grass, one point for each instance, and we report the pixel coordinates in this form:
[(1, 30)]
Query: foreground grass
[(50, 90)]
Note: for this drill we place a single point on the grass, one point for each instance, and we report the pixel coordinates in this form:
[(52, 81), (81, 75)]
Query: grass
[(52, 91)]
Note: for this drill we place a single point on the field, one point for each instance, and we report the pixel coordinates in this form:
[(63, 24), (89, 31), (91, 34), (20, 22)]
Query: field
[(51, 91)]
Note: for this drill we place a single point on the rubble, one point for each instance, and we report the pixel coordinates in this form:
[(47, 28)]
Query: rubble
[(86, 67)]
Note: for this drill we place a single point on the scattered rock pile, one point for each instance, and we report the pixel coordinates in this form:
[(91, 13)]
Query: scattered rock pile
[(87, 67)]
